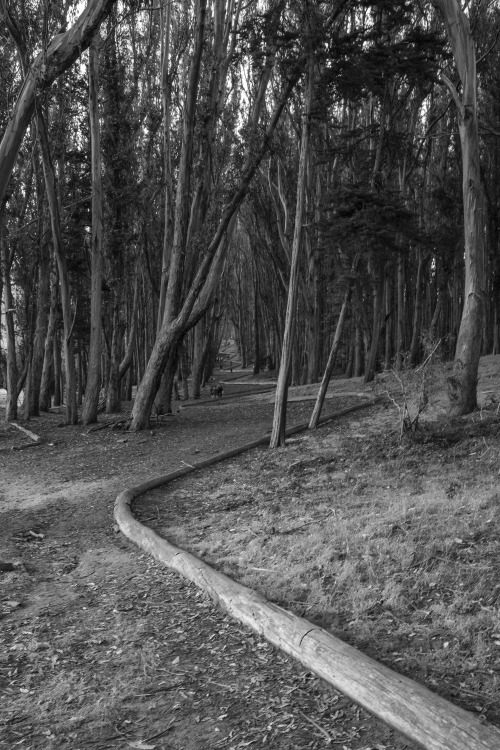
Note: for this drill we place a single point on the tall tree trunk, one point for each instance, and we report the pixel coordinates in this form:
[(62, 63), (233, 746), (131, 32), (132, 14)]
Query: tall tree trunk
[(358, 352), (57, 371), (462, 385), (69, 360), (400, 320), (42, 315), (256, 323), (113, 403), (281, 399), (388, 322), (166, 86), (417, 310), (126, 362), (378, 306), (11, 364), (93, 386), (198, 335)]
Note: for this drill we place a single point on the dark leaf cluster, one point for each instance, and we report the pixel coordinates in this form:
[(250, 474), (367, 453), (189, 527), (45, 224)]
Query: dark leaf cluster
[(367, 221)]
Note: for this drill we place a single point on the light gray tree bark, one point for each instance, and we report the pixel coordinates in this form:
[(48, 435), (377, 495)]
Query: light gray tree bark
[(462, 385)]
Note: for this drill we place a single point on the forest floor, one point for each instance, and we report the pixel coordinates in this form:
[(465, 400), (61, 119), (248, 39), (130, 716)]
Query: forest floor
[(391, 544)]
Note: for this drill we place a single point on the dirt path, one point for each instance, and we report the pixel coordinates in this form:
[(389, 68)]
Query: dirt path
[(101, 648)]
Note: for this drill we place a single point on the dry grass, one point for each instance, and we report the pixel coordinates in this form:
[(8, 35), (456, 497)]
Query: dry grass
[(394, 548)]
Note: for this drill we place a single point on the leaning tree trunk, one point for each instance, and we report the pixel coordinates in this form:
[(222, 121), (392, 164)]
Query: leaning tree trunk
[(462, 385), (279, 421), (331, 361), (93, 386), (60, 54)]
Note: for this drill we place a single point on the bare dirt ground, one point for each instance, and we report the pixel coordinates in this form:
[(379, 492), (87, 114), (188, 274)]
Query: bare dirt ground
[(102, 648)]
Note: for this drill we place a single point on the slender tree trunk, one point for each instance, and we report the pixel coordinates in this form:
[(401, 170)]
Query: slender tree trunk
[(358, 352), (279, 421), (388, 322), (256, 324), (42, 315), (417, 310), (198, 335), (69, 361), (331, 361), (93, 387), (400, 320), (167, 168), (113, 391), (126, 362), (378, 306), (11, 364), (57, 372)]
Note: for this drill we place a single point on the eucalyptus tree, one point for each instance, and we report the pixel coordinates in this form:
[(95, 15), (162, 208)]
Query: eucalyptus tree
[(59, 54), (185, 305), (462, 385), (38, 72), (93, 385)]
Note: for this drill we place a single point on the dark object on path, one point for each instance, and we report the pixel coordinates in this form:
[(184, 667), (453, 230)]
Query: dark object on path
[(216, 391), (6, 566)]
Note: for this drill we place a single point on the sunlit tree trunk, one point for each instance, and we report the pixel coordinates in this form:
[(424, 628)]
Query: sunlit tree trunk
[(11, 364), (462, 385)]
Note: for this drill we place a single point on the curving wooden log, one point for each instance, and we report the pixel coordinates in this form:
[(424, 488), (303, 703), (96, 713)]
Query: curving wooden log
[(412, 709)]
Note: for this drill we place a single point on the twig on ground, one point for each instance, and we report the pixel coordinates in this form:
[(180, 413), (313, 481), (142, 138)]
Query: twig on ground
[(160, 734), (318, 726), (104, 425), (309, 523)]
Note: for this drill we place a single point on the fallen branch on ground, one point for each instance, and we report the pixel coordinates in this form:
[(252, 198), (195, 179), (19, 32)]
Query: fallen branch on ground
[(32, 436), (112, 424)]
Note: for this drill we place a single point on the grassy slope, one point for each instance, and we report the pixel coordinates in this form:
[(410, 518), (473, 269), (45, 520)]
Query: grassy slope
[(393, 547)]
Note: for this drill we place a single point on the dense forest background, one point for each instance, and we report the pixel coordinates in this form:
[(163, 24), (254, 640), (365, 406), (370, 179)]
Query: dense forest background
[(174, 174)]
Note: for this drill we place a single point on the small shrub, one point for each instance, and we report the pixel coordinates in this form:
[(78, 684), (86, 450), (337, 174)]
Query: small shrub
[(411, 387)]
